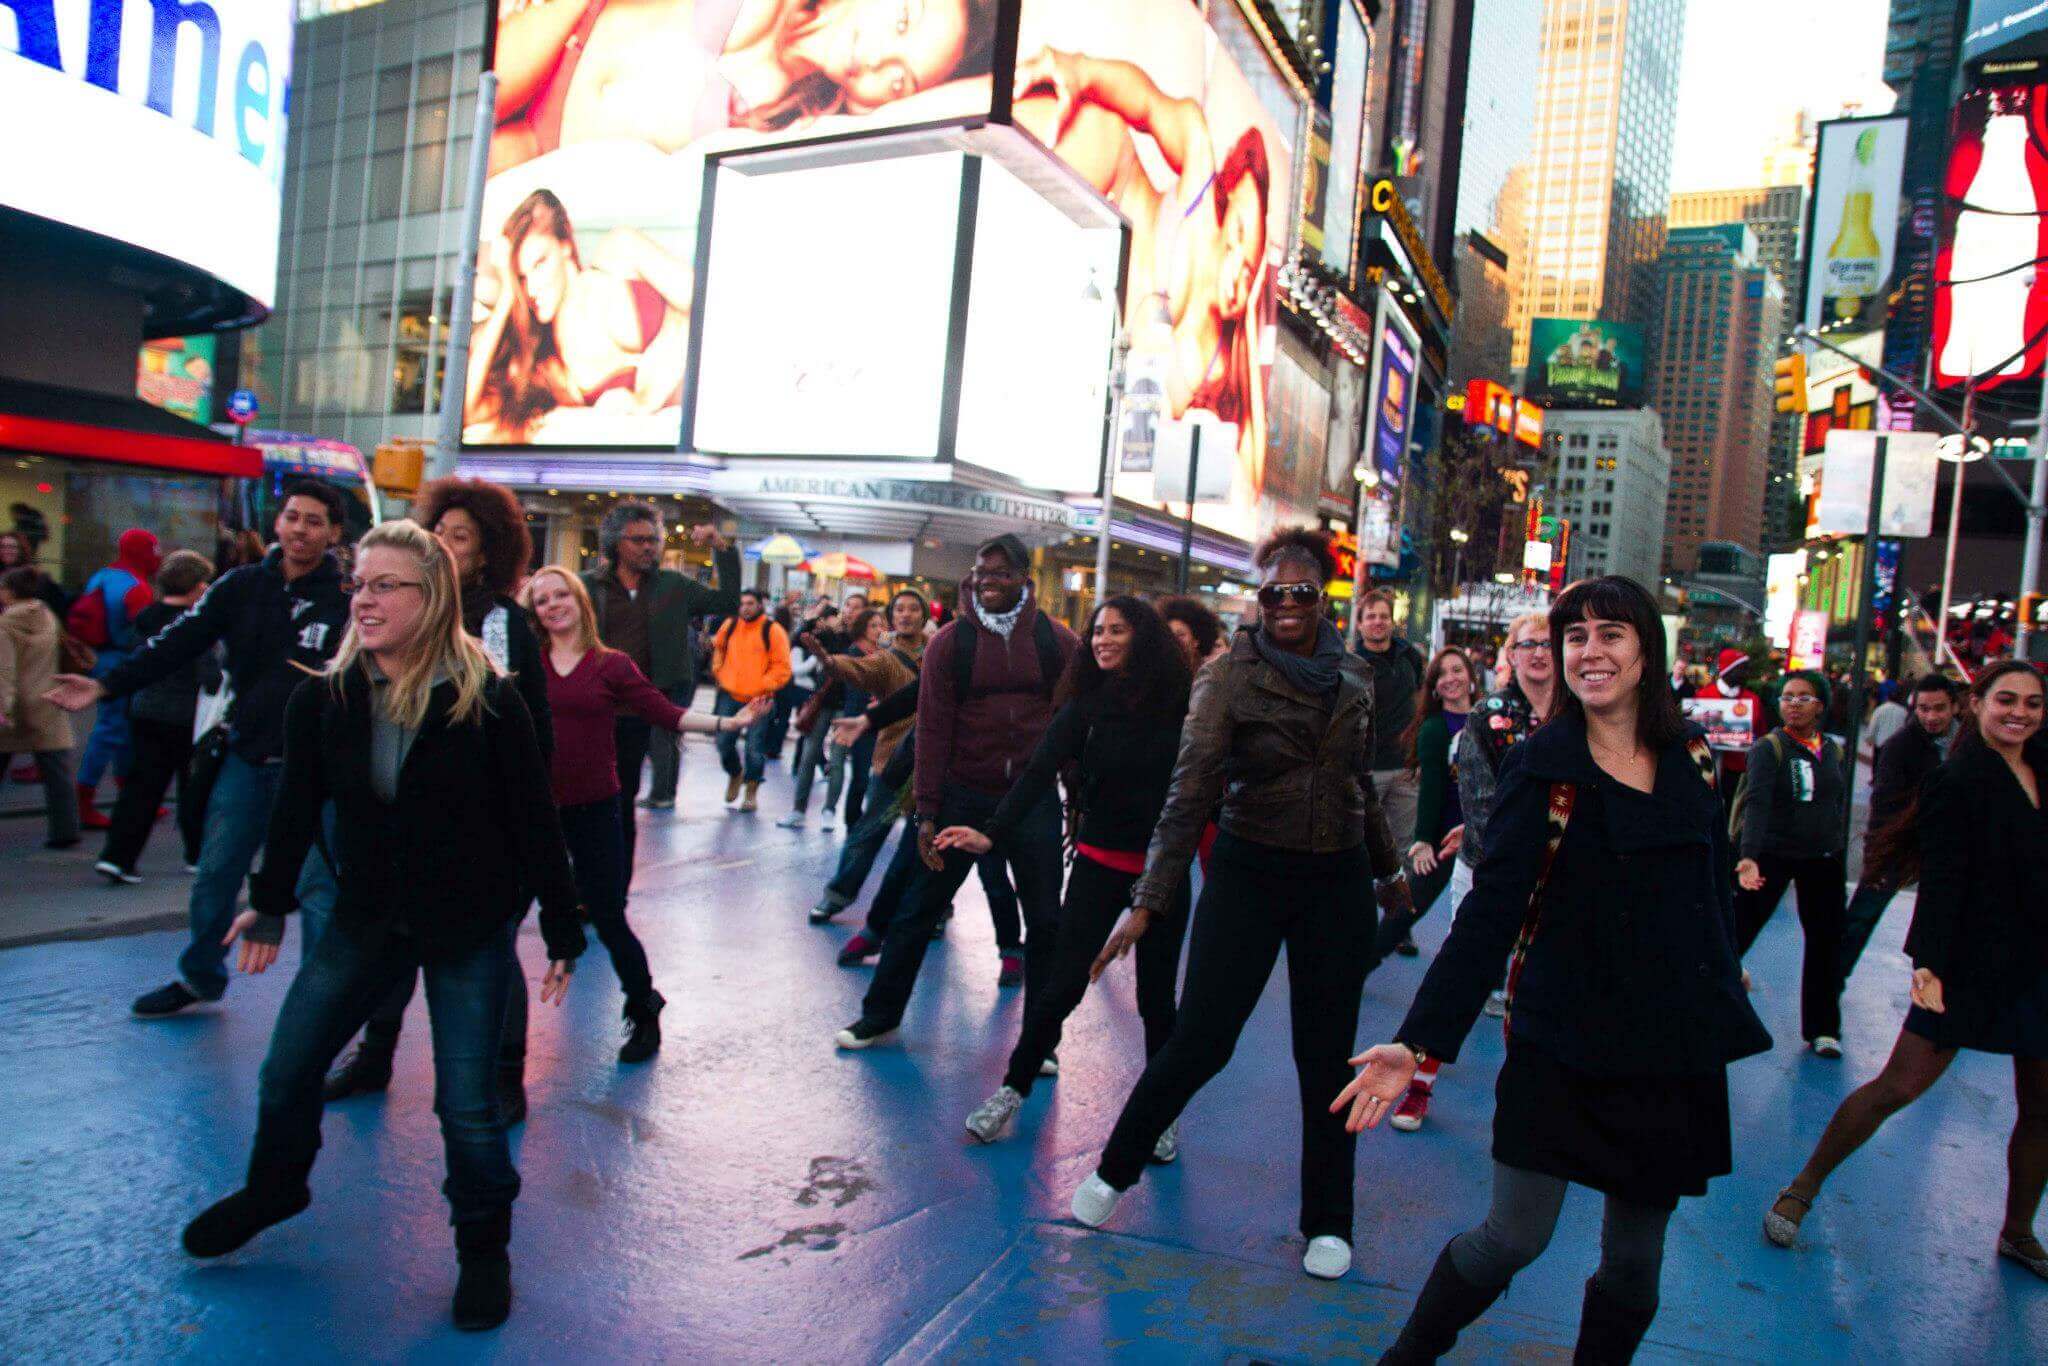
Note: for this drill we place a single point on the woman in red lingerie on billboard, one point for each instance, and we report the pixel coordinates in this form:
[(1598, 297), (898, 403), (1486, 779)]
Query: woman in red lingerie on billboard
[(1197, 247), (561, 333)]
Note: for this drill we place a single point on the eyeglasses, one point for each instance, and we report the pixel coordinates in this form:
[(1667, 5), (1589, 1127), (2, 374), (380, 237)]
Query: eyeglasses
[(1292, 594), (648, 539), (378, 588), (1530, 645)]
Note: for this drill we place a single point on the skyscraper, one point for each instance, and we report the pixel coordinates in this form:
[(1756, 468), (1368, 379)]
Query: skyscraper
[(1607, 88), (1489, 216), (1721, 313)]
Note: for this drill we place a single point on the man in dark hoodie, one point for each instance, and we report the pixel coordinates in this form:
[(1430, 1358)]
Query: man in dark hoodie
[(985, 700), (281, 620)]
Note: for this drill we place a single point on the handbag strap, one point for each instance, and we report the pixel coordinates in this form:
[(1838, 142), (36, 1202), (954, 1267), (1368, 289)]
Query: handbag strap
[(1563, 797)]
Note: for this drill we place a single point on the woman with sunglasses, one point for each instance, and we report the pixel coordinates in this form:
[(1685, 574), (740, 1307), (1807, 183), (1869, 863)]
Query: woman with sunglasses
[(1280, 733)]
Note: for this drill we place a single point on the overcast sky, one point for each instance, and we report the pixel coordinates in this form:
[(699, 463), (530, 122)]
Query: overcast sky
[(1751, 63)]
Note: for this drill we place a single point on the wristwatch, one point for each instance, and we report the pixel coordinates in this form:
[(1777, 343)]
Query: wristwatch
[(1421, 1055)]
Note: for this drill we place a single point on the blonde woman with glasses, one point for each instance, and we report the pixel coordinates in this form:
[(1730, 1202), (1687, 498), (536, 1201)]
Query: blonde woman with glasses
[(443, 829)]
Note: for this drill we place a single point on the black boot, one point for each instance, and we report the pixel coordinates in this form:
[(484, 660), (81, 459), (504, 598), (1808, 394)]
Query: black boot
[(483, 1291), (1609, 1330), (1447, 1306), (644, 1016), (511, 1093), (366, 1068), (269, 1198)]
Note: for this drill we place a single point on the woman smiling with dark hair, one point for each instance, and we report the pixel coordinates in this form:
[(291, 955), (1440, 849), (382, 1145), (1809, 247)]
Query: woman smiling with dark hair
[(1279, 733), (1604, 872)]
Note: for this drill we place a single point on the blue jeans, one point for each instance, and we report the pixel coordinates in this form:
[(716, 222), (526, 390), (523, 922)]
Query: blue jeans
[(755, 737), (863, 846), (237, 818), (342, 980), (110, 744)]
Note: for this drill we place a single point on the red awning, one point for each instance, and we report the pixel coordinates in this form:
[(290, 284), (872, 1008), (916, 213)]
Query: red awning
[(149, 450)]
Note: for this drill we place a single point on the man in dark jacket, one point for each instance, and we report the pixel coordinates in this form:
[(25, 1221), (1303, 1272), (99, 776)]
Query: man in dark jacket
[(1397, 672), (979, 717), (1903, 763), (649, 613), (281, 620)]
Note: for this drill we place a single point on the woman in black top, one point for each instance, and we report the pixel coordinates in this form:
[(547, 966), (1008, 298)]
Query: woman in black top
[(1606, 852), (1280, 733), (1795, 815), (1979, 946), (1115, 737), (443, 828), (484, 529)]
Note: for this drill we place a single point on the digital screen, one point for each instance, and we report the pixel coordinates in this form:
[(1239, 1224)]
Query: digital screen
[(176, 375), (1990, 300), (605, 113), (1347, 136), (1995, 25), (830, 344), (156, 125), (1858, 164), (1392, 406), (1144, 102), (1585, 363)]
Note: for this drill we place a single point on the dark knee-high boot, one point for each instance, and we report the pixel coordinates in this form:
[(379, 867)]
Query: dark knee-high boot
[(483, 1291), (1447, 1306), (274, 1193), (1609, 1329)]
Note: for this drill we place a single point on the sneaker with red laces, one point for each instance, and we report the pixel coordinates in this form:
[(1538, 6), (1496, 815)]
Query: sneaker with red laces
[(858, 950), (1414, 1108)]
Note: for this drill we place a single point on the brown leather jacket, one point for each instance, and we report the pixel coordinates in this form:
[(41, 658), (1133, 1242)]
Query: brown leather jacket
[(1287, 772)]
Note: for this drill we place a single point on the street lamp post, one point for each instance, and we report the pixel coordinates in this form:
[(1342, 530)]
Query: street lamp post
[(1118, 376), (1458, 539)]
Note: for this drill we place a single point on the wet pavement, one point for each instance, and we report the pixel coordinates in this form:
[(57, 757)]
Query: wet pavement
[(753, 1195)]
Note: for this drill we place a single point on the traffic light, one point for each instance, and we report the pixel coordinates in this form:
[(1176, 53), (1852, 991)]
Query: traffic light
[(398, 467), (2034, 611), (1788, 381)]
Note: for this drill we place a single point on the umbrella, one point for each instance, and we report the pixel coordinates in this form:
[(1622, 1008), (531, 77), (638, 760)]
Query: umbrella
[(840, 565), (781, 548)]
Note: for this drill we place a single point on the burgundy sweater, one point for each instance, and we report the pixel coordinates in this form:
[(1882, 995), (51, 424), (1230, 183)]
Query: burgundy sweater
[(983, 743), (585, 701)]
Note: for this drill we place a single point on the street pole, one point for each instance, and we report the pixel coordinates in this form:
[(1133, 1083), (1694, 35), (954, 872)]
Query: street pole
[(1110, 449), (1187, 535), (1859, 665), (2037, 510), (455, 374), (1948, 572)]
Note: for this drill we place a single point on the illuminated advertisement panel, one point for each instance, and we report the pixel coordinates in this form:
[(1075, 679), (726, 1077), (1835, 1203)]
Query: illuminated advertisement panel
[(176, 375), (1990, 305), (585, 277), (1858, 164), (1390, 410), (1585, 363), (1142, 100)]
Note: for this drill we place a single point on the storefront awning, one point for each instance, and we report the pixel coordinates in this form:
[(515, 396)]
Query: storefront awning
[(886, 502), (41, 419)]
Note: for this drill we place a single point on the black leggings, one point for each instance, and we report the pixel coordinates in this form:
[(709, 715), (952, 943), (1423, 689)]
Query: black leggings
[(1096, 896), (1256, 900), (1822, 884), (1524, 1215)]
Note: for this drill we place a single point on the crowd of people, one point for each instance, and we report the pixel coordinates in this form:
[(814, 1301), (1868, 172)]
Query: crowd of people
[(410, 751)]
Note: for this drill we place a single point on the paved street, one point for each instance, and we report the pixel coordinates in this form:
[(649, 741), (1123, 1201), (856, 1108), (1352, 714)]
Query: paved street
[(754, 1196)]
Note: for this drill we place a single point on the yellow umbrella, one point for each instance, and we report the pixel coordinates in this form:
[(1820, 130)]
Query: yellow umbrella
[(840, 565), (781, 548)]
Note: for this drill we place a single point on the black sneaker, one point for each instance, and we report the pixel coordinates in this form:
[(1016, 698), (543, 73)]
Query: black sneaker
[(227, 1224), (862, 1033), (822, 913), (165, 1000), (643, 1028), (364, 1069)]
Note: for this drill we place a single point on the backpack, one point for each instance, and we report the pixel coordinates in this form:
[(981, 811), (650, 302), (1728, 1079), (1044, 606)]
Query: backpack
[(1738, 808), (87, 619), (1049, 665)]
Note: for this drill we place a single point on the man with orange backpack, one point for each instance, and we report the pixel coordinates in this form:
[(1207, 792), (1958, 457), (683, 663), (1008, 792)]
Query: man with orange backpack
[(103, 616)]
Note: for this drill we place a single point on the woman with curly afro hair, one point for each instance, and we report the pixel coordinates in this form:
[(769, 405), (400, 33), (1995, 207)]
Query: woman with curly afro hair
[(484, 528), (1279, 733)]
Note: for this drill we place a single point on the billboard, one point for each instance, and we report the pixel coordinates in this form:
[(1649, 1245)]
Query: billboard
[(176, 375), (585, 275), (1390, 408), (1143, 101), (1990, 304), (1995, 26), (1858, 165), (161, 126), (1585, 363), (1348, 157)]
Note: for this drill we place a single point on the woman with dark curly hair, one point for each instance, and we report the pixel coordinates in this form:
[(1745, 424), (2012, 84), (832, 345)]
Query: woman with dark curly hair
[(1197, 629), (484, 528), (1117, 733), (1280, 733)]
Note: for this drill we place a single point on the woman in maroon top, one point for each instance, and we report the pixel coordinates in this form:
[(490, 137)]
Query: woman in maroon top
[(588, 685)]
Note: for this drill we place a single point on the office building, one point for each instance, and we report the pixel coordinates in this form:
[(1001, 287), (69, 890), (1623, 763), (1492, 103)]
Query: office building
[(1613, 483), (1489, 217), (1607, 89), (1721, 313)]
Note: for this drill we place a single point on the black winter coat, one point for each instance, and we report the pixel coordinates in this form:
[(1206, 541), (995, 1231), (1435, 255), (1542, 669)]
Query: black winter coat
[(1980, 923), (1633, 970), (1124, 763), (1904, 763), (277, 633), (471, 839)]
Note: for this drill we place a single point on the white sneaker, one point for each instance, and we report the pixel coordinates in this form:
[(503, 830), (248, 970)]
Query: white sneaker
[(828, 821), (1497, 1004), (793, 821), (1327, 1257), (114, 872), (1051, 1066), (1827, 1046), (993, 1115), (1095, 1200), (1168, 1146)]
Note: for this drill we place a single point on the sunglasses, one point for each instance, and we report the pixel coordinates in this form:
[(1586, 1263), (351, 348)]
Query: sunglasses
[(1274, 595)]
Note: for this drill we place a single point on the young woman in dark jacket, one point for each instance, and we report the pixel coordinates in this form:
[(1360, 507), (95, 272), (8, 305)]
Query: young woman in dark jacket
[(1280, 732), (1116, 734), (1795, 812), (1979, 946), (1604, 871), (443, 828), (484, 529)]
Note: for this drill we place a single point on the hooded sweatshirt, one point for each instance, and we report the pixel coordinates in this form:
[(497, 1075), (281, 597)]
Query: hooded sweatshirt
[(124, 587), (982, 741), (28, 659)]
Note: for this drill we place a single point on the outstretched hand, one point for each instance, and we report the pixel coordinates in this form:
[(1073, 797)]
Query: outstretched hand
[(1127, 934), (964, 838), (254, 956), (73, 692), (1384, 1072)]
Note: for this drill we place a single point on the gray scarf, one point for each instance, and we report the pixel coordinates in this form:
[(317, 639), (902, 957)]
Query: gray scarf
[(1000, 624), (1316, 674)]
